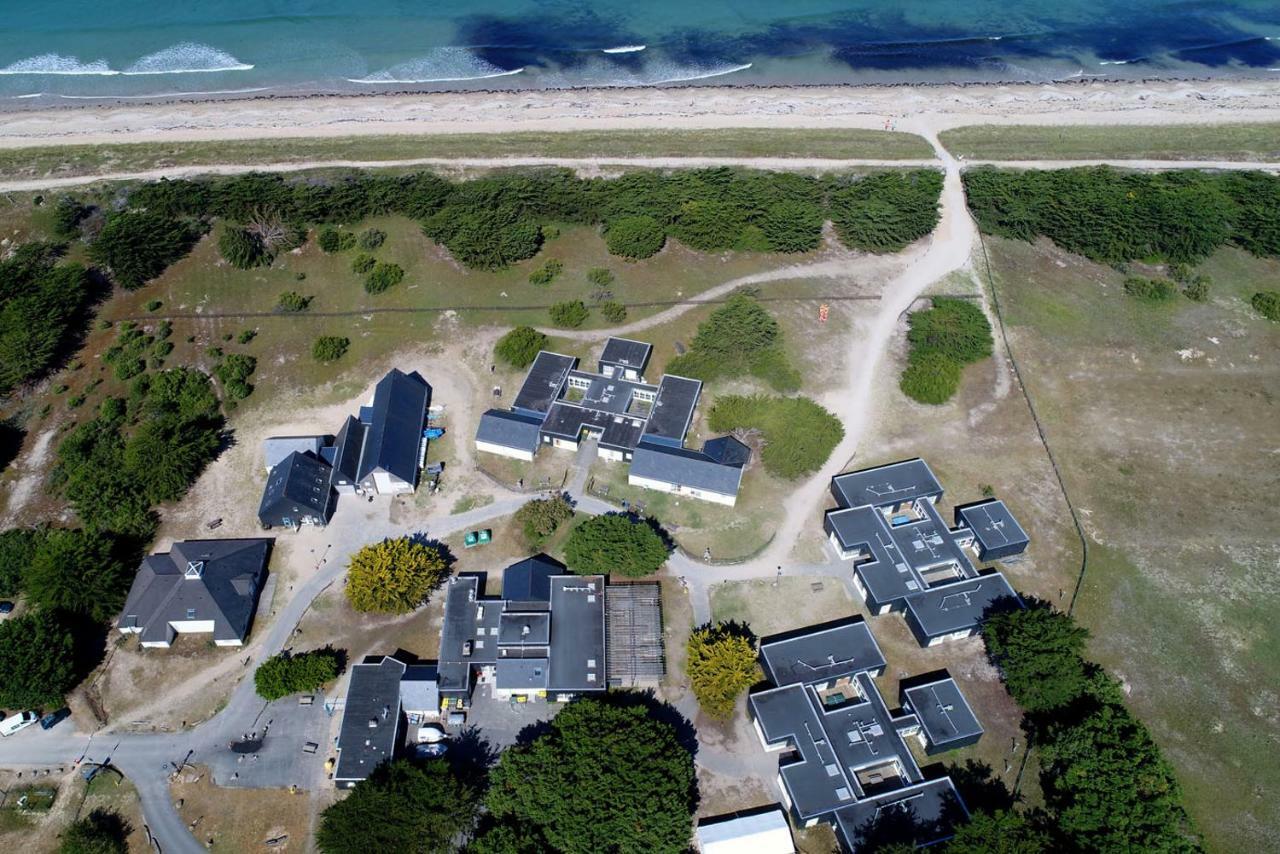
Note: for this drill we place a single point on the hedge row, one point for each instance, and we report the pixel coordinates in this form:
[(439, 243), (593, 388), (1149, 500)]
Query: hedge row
[(1113, 216)]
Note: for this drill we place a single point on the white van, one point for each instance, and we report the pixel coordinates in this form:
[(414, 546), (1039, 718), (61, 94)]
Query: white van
[(17, 723)]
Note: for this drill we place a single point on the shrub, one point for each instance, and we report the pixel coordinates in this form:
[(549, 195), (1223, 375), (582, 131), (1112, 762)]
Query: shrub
[(1197, 288), (520, 346), (1150, 290), (395, 576), (709, 226), (332, 240), (382, 277), (569, 315), (295, 673), (944, 338), (246, 335), (721, 665), (67, 216), (601, 277), (540, 518), (930, 377), (799, 435), (162, 349), (292, 301), (153, 305), (635, 237), (138, 246), (234, 372), (329, 348), (615, 544), (792, 226), (886, 211), (614, 312), (1267, 304), (738, 338), (242, 248), (363, 263), (372, 238), (545, 274)]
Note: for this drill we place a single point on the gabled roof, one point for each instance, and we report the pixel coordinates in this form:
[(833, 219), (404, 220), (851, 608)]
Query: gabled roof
[(204, 580), (727, 451), (276, 448), (370, 719), (395, 430), (762, 832), (301, 481), (348, 445), (682, 467), (509, 430), (530, 579)]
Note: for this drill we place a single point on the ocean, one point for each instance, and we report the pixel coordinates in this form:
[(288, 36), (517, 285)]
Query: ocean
[(89, 49)]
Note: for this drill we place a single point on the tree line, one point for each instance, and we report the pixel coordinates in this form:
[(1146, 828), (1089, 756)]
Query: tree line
[(1114, 216)]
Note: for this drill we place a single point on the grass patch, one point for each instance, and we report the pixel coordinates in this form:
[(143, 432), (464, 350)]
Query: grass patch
[(1036, 142), (842, 143), (470, 502)]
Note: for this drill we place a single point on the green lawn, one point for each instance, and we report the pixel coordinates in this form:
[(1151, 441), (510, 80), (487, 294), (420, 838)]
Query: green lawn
[(1189, 142), (843, 143)]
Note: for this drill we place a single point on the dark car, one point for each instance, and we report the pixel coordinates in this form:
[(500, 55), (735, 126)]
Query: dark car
[(6, 607), (52, 719)]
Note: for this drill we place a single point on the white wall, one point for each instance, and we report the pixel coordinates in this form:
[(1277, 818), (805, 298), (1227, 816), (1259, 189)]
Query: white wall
[(663, 486), (963, 633), (565, 444), (502, 451)]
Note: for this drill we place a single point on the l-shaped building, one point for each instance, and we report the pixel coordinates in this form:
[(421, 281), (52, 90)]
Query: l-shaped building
[(845, 759), (559, 405), (907, 559)]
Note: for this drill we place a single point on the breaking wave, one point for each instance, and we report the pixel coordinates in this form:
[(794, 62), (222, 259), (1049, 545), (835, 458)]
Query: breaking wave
[(187, 58), (625, 48), (56, 63), (442, 65)]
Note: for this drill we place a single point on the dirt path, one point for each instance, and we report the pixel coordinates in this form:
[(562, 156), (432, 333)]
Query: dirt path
[(31, 472)]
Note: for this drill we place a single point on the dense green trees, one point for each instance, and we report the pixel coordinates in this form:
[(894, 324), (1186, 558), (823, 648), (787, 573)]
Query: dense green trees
[(77, 572), (17, 549), (999, 832), (1113, 216), (603, 777), (233, 371), (635, 237), (136, 246), (99, 832), (293, 673), (242, 248), (885, 211), (738, 338), (519, 347), (1106, 786), (42, 305), (798, 434), (395, 575), (615, 544), (944, 338), (402, 808), (540, 518), (36, 658), (721, 665)]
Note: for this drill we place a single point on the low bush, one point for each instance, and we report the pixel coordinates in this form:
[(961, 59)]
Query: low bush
[(383, 276), (1150, 290), (292, 301), (246, 335), (930, 378), (1267, 304), (332, 240), (943, 338), (329, 348), (540, 518), (1197, 288), (547, 273), (372, 238), (635, 237), (295, 673), (569, 315), (363, 263), (612, 311), (242, 248), (799, 435), (519, 347), (601, 277)]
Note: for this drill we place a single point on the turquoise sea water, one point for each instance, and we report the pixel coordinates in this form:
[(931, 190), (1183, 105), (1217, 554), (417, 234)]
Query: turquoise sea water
[(147, 48)]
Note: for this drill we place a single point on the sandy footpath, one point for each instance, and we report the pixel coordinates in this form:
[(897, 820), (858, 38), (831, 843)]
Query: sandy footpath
[(916, 108)]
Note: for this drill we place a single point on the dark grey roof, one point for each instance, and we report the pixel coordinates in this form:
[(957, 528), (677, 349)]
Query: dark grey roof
[(577, 633), (627, 353), (924, 813), (299, 485), (673, 410), (613, 395), (216, 580), (349, 444), (521, 674), (993, 525), (544, 382), (727, 450), (420, 688), (530, 579), (400, 404), (944, 714), (276, 448), (524, 628), (683, 467), (811, 655), (960, 604), (566, 421), (889, 484), (370, 729), (509, 430)]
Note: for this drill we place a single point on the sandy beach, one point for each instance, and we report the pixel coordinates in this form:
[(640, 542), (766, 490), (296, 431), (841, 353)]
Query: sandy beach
[(919, 108)]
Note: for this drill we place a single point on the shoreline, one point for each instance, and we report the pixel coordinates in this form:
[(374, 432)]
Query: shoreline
[(915, 107)]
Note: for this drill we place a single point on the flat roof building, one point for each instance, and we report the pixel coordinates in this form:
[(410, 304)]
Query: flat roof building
[(371, 725), (844, 759), (907, 559), (632, 421), (946, 719)]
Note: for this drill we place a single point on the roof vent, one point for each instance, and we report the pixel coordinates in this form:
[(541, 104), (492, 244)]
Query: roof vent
[(195, 569), (373, 723)]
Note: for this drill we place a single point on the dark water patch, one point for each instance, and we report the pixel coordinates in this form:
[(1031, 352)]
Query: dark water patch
[(564, 41), (1252, 52)]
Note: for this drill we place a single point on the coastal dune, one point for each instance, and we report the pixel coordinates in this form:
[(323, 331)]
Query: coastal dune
[(918, 108)]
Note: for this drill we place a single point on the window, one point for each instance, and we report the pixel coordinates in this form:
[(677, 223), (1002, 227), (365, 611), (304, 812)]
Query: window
[(191, 613)]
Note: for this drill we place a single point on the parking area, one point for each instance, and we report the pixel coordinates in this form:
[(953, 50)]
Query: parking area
[(273, 756), (500, 722)]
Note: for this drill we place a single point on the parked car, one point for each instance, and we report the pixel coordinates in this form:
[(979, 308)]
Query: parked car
[(17, 723), (52, 719)]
